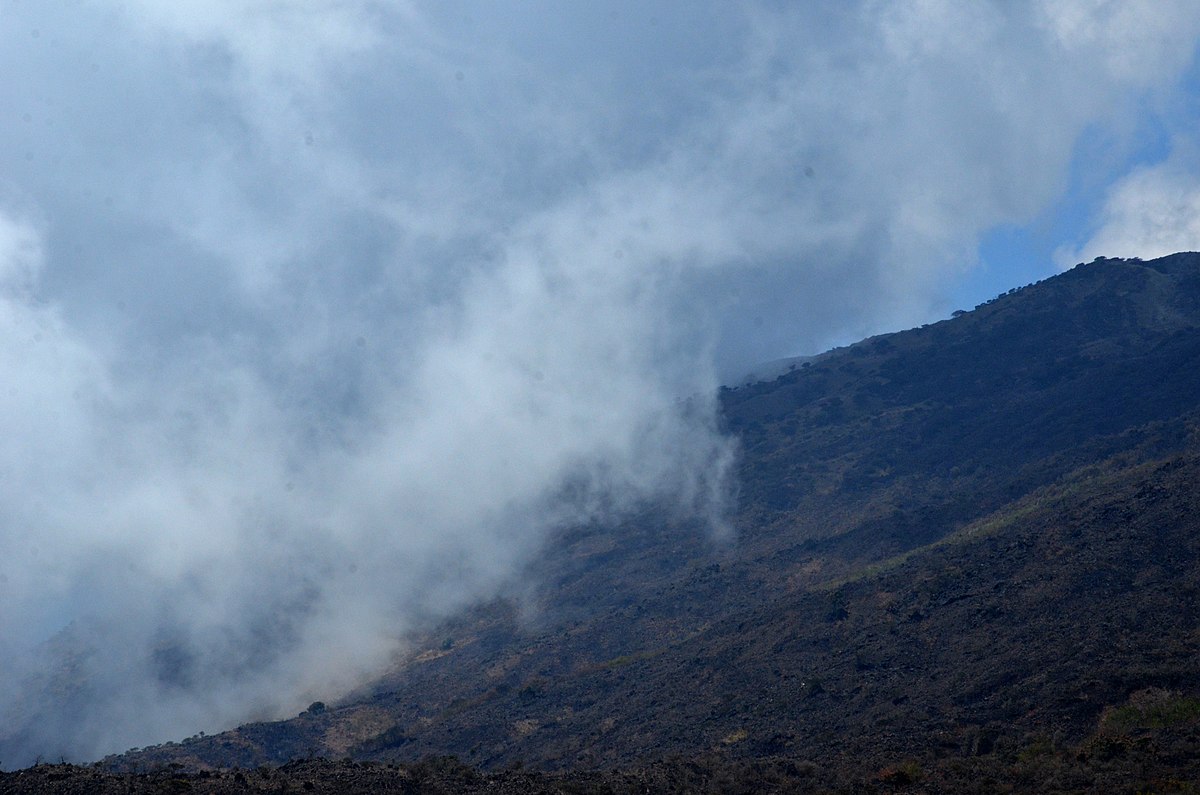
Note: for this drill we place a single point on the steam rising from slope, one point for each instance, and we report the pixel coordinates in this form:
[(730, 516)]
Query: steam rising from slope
[(318, 317)]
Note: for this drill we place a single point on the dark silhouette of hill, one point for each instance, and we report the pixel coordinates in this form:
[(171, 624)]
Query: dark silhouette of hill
[(966, 553)]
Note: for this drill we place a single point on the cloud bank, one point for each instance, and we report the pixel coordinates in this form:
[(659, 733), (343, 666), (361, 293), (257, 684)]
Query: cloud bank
[(318, 317), (1152, 212)]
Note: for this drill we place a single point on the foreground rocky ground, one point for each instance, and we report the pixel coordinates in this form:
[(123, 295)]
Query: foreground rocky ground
[(1123, 756)]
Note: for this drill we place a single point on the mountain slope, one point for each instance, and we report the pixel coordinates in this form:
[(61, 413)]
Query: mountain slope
[(971, 539)]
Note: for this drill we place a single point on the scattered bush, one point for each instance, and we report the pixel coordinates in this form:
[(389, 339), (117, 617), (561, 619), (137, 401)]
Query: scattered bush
[(908, 772), (1152, 708)]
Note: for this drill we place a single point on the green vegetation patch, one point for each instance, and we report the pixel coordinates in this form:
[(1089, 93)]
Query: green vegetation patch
[(1153, 708)]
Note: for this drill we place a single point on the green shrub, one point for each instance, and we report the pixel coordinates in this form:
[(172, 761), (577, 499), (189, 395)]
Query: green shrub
[(1152, 708)]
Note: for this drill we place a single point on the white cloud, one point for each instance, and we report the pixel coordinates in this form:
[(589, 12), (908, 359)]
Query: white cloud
[(1150, 213), (1136, 42)]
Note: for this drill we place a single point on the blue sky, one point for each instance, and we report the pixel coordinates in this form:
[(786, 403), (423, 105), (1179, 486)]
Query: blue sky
[(310, 311)]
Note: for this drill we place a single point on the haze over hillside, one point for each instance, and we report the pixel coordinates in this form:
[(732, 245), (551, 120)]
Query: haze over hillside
[(971, 541)]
